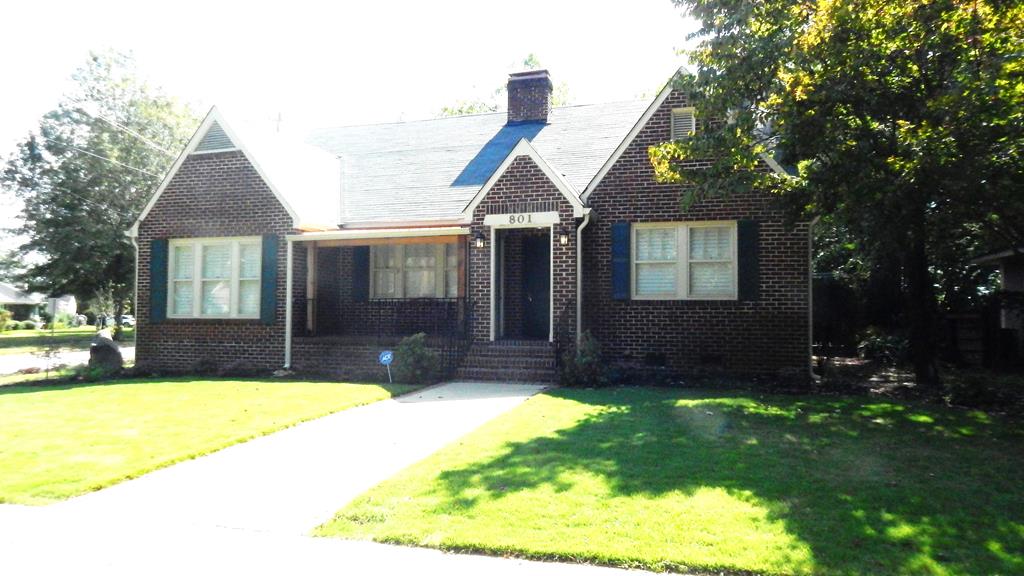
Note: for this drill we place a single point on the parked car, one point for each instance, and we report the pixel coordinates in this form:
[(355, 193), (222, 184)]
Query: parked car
[(127, 321)]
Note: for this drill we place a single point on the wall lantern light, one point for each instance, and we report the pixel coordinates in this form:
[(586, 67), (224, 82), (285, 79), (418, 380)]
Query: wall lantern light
[(563, 237), (478, 239)]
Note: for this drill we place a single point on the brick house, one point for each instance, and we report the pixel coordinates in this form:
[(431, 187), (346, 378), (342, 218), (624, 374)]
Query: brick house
[(502, 236)]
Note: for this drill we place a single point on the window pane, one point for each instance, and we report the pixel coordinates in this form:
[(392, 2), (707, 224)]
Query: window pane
[(710, 243), (217, 261), (652, 279), (182, 298), (419, 283), (451, 283), (656, 244), (451, 255), (384, 256), (420, 256), (184, 262), (216, 297), (711, 279), (384, 284), (249, 261), (249, 297)]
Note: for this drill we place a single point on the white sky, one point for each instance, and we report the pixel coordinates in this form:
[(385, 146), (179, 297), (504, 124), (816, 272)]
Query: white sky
[(334, 63)]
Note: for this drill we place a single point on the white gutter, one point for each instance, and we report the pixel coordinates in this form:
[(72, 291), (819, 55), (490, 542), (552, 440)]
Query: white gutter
[(407, 223), (288, 310), (375, 233), (579, 275)]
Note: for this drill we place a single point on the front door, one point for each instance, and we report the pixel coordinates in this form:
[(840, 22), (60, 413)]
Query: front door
[(536, 286)]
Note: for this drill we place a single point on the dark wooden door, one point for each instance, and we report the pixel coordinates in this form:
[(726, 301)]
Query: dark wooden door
[(536, 286)]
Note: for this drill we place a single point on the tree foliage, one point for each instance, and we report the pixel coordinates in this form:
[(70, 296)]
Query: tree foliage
[(903, 123), (85, 174), (559, 95)]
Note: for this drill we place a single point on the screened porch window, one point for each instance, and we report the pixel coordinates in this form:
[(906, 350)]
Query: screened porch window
[(414, 271)]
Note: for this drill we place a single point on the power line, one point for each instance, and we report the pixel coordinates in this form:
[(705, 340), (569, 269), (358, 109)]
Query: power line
[(123, 128), (111, 160)]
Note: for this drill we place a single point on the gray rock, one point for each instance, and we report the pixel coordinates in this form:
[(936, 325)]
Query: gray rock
[(104, 352)]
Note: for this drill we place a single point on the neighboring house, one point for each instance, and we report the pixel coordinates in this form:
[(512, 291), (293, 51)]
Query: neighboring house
[(502, 237), (997, 341), (22, 305), (66, 304)]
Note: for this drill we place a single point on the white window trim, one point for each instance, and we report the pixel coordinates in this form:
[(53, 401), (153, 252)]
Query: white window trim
[(693, 114), (683, 260), (440, 270), (197, 245)]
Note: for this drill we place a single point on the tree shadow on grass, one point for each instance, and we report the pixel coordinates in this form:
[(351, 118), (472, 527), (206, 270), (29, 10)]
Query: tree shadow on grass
[(869, 486)]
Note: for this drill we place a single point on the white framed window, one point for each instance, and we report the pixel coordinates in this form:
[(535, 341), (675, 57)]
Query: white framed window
[(214, 277), (414, 271), (684, 260), (684, 123)]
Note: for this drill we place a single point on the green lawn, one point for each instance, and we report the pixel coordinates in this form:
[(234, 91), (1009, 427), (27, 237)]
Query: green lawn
[(31, 341), (61, 441), (718, 481)]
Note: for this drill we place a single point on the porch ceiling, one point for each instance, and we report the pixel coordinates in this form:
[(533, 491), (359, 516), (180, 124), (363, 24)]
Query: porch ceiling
[(373, 234)]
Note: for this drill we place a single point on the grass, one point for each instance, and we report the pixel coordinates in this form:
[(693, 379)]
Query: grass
[(61, 441), (19, 378), (32, 341), (718, 481)]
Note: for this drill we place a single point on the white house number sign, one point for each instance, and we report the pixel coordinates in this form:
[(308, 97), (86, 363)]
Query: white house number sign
[(521, 219)]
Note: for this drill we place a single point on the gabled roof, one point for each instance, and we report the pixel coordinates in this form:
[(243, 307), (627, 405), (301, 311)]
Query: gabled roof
[(11, 295), (431, 169), (524, 148), (305, 179)]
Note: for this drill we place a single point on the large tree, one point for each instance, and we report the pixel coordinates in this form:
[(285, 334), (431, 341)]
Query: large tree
[(903, 123), (85, 174)]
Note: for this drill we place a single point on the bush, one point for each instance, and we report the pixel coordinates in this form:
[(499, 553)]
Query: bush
[(876, 345), (415, 363), (5, 319), (28, 325), (585, 367)]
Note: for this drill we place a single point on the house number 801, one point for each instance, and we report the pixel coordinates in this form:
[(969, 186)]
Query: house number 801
[(520, 218)]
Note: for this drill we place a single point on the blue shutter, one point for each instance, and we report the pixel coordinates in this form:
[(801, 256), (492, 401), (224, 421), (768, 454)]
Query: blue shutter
[(157, 280), (268, 280), (361, 273), (620, 260), (748, 252)]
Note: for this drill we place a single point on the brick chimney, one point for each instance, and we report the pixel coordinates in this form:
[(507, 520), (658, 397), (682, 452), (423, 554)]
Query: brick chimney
[(529, 96)]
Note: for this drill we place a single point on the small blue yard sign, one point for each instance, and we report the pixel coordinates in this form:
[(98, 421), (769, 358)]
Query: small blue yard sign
[(385, 358)]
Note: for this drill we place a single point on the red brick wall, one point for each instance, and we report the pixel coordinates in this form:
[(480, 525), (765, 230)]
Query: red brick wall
[(214, 195), (524, 188), (768, 336)]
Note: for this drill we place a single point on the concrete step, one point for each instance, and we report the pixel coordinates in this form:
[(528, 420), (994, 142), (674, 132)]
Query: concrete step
[(532, 362), (507, 374)]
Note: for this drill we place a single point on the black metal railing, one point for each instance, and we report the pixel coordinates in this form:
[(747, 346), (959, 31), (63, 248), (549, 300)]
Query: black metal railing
[(385, 321)]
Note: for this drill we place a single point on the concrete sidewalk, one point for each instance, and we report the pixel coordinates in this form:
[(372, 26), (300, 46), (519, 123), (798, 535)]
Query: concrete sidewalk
[(248, 508)]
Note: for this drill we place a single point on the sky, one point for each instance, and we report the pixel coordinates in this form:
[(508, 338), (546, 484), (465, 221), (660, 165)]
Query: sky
[(334, 63)]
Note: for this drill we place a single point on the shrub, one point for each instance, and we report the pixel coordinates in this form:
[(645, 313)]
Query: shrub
[(585, 367), (876, 345), (5, 319), (415, 363), (28, 325)]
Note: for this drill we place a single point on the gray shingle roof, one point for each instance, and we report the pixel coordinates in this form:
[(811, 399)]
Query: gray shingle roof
[(432, 168)]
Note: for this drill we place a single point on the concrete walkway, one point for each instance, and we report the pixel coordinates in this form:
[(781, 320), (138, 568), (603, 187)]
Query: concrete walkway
[(248, 508)]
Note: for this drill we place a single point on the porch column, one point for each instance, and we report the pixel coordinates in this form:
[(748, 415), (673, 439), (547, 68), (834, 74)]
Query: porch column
[(311, 282)]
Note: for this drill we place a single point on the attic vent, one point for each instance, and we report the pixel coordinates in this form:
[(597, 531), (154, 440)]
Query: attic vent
[(683, 123), (214, 140)]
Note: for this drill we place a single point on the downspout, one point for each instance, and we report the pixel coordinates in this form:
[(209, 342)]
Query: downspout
[(579, 275), (288, 309), (810, 298), (133, 235)]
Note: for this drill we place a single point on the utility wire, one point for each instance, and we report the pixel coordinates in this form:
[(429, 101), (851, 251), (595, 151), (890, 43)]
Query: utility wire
[(122, 127), (111, 160)]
